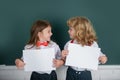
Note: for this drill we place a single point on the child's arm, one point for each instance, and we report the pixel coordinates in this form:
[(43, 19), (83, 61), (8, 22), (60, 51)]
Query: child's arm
[(103, 59), (64, 54), (19, 63), (58, 63)]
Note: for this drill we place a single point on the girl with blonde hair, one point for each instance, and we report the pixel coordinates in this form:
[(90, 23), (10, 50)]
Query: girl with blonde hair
[(81, 32)]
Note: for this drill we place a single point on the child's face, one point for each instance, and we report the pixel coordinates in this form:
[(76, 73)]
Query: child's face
[(71, 32), (45, 35)]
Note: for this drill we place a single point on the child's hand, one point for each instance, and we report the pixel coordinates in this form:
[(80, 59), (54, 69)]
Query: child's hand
[(64, 53), (57, 63), (103, 59), (19, 63)]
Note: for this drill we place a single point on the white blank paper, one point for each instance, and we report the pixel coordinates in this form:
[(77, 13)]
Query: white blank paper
[(39, 60), (83, 57)]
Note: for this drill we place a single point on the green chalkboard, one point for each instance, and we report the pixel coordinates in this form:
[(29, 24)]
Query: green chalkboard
[(17, 16)]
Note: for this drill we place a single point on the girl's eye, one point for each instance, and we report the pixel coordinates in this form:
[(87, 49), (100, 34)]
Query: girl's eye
[(70, 29), (49, 31)]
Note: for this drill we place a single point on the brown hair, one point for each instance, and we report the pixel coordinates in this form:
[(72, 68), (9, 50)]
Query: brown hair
[(38, 26), (84, 32)]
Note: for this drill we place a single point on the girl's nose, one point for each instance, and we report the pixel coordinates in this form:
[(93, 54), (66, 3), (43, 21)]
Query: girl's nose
[(51, 33)]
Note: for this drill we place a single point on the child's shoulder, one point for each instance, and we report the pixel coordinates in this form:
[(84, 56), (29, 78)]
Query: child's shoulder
[(95, 44), (28, 46), (67, 43), (70, 41), (53, 43)]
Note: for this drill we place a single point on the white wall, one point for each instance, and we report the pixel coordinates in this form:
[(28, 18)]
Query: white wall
[(104, 72)]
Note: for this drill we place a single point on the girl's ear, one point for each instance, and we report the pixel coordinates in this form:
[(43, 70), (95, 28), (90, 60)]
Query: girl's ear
[(39, 34)]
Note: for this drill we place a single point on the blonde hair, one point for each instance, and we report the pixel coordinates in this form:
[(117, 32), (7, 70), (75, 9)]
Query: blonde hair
[(84, 32)]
